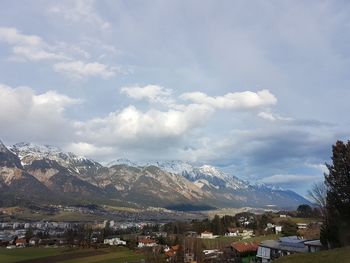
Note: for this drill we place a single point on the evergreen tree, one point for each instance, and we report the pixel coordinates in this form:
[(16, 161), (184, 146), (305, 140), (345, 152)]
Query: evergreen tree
[(336, 231)]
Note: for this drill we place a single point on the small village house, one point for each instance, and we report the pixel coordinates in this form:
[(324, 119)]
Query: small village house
[(207, 234), (244, 250), (21, 242), (146, 243)]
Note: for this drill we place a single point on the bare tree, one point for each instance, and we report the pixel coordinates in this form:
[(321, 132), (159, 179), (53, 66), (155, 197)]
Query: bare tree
[(318, 194)]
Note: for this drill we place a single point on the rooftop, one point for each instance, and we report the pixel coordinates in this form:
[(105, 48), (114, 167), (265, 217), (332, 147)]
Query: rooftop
[(243, 247)]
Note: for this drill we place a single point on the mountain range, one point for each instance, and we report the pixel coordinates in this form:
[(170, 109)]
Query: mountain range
[(44, 174)]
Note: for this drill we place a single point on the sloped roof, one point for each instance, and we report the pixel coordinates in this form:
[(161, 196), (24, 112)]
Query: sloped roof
[(21, 241), (243, 247)]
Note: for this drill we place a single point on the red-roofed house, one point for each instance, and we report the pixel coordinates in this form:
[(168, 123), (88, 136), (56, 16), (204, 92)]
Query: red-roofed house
[(21, 242), (244, 249)]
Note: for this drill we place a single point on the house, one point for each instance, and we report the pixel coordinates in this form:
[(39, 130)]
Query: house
[(170, 252), (21, 242), (189, 257), (232, 232), (278, 229), (207, 234), (246, 233), (34, 241), (302, 225), (146, 243), (313, 246), (114, 241), (244, 249), (269, 250)]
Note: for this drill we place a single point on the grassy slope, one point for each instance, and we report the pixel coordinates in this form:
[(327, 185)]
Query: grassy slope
[(111, 255), (116, 256), (340, 255), (14, 255)]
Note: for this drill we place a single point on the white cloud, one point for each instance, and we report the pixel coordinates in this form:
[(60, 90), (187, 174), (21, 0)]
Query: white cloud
[(28, 47), (233, 101), (318, 166), (79, 69), (52, 99), (12, 36), (131, 125), (152, 93), (33, 48), (34, 117), (80, 11), (35, 54), (272, 116), (87, 149), (290, 178)]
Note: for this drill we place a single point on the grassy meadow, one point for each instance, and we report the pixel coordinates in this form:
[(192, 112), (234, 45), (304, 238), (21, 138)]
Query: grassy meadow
[(66, 255)]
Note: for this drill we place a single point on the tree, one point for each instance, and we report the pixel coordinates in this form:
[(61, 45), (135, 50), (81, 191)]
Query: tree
[(289, 228), (318, 194), (304, 211), (336, 230)]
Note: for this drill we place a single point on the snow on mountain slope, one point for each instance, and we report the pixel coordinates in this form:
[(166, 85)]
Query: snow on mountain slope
[(205, 175), (152, 183), (29, 152)]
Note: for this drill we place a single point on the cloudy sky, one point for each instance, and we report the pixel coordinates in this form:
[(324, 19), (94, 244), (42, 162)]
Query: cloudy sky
[(259, 88)]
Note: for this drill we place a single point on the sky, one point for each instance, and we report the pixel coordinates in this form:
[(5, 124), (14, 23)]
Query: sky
[(257, 88)]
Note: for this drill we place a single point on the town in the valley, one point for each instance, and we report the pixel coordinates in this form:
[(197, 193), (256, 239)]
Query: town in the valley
[(243, 237)]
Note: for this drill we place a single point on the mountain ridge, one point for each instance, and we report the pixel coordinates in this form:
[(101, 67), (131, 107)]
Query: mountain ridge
[(154, 183)]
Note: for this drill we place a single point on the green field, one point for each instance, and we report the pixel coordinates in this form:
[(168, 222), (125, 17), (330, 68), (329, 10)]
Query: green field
[(25, 214), (339, 255), (65, 255)]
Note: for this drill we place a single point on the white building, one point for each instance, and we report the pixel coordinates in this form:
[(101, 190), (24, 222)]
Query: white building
[(278, 229), (302, 225), (147, 243), (207, 234), (114, 241)]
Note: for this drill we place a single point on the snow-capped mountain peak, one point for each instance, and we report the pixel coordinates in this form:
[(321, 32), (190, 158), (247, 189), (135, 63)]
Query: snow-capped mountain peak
[(211, 171), (29, 152)]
